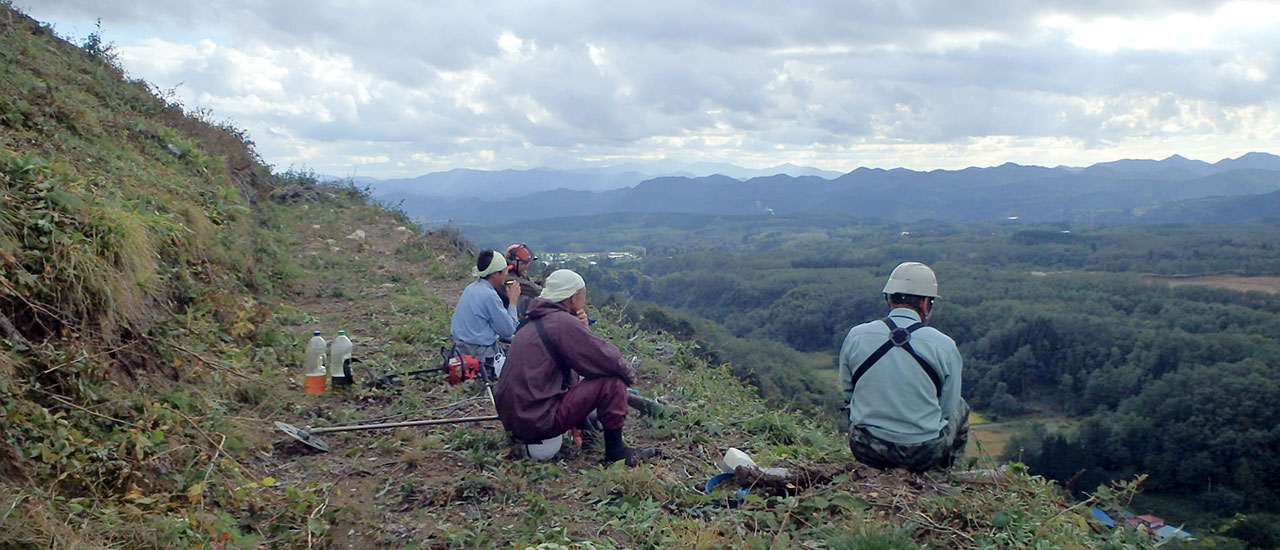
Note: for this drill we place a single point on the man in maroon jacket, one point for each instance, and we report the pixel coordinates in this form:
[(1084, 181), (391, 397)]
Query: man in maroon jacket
[(557, 372)]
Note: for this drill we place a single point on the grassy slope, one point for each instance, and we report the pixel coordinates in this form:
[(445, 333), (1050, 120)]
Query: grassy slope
[(160, 301)]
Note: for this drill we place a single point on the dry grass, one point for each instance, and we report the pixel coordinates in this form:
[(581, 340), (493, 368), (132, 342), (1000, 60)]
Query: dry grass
[(10, 364), (39, 521), (201, 243)]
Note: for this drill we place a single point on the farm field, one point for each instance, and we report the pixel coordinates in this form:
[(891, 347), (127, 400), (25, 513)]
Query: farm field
[(1231, 282)]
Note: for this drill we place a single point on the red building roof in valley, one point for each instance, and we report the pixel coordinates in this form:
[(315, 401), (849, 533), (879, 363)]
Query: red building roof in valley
[(1150, 520)]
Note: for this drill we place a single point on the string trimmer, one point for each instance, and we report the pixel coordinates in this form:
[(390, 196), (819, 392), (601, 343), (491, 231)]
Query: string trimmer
[(308, 434)]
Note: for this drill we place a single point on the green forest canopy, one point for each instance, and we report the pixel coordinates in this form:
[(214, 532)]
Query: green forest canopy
[(1177, 382)]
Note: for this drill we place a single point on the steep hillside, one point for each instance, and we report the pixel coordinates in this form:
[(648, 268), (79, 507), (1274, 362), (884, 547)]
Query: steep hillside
[(157, 282), (1251, 208)]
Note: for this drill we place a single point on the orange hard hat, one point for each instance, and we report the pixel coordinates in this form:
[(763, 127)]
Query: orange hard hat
[(519, 253)]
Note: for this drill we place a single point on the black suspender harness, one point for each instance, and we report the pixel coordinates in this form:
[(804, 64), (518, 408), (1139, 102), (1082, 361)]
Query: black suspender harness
[(898, 337), (552, 349)]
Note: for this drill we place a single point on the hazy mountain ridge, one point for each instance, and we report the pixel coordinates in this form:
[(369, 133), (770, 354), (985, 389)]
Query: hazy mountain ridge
[(1120, 191), (469, 183), (1260, 161)]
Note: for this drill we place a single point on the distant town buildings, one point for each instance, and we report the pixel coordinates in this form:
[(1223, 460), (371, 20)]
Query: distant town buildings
[(1154, 525), (590, 257)]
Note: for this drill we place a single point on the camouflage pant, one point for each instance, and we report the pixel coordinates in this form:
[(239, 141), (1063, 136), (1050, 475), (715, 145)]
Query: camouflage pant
[(939, 452), (483, 353)]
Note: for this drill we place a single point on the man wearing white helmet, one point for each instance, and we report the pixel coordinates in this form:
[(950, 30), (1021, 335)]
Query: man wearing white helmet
[(558, 372), (901, 381)]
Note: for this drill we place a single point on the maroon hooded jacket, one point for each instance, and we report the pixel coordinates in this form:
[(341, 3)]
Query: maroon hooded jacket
[(532, 385)]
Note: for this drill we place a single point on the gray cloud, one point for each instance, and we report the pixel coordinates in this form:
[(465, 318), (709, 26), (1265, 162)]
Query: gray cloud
[(503, 84)]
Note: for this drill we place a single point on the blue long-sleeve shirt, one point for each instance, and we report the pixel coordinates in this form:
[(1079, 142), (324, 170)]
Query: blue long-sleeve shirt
[(895, 400), (480, 318)]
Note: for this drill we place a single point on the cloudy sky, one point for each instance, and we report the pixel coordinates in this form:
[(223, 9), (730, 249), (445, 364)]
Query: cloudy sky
[(392, 88)]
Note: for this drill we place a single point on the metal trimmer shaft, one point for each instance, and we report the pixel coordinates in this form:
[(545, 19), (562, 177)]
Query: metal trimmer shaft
[(402, 424)]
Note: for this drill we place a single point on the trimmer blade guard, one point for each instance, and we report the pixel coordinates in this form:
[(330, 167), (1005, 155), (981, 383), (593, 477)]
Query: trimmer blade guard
[(303, 436)]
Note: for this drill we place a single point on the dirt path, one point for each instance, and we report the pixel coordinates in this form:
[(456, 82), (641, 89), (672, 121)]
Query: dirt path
[(392, 291)]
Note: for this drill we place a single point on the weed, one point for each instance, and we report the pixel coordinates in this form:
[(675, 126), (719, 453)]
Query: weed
[(469, 535), (775, 427), (412, 457), (411, 305), (617, 481), (414, 331), (537, 472), (875, 540)]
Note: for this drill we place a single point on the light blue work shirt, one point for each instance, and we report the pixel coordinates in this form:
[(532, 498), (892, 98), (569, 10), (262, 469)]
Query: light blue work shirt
[(480, 318), (895, 400)]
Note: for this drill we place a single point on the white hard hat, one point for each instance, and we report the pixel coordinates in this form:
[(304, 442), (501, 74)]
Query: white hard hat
[(912, 278), (544, 450)]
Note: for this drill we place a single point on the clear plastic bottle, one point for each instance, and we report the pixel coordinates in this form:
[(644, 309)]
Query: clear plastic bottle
[(734, 458), (340, 361), (313, 365)]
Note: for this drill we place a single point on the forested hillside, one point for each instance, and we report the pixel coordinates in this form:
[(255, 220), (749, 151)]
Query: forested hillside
[(1177, 382)]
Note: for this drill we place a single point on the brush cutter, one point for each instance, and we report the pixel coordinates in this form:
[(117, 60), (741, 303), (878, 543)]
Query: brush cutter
[(308, 434), (448, 357)]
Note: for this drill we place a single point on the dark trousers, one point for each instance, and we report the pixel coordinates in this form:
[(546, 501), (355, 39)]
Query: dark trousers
[(606, 396)]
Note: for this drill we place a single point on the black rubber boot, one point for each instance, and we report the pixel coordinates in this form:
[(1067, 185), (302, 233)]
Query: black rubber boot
[(591, 439), (615, 449)]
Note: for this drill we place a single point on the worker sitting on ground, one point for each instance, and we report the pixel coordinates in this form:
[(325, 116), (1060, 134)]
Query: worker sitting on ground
[(518, 259), (480, 319), (558, 372), (901, 381)]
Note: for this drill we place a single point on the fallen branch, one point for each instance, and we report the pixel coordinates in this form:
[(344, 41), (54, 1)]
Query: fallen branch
[(11, 508), (11, 333), (33, 305), (205, 434), (87, 357), (209, 362), (928, 523), (622, 312), (204, 483), (797, 478), (314, 514), (68, 403)]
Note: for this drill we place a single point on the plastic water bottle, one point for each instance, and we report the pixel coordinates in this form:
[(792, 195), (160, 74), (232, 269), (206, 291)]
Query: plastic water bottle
[(313, 365), (340, 361), (734, 458)]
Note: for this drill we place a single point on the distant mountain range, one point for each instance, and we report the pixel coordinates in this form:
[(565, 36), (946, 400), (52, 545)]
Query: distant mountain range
[(466, 183), (1173, 189)]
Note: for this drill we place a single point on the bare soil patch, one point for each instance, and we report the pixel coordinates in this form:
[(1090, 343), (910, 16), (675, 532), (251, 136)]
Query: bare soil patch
[(1232, 282)]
